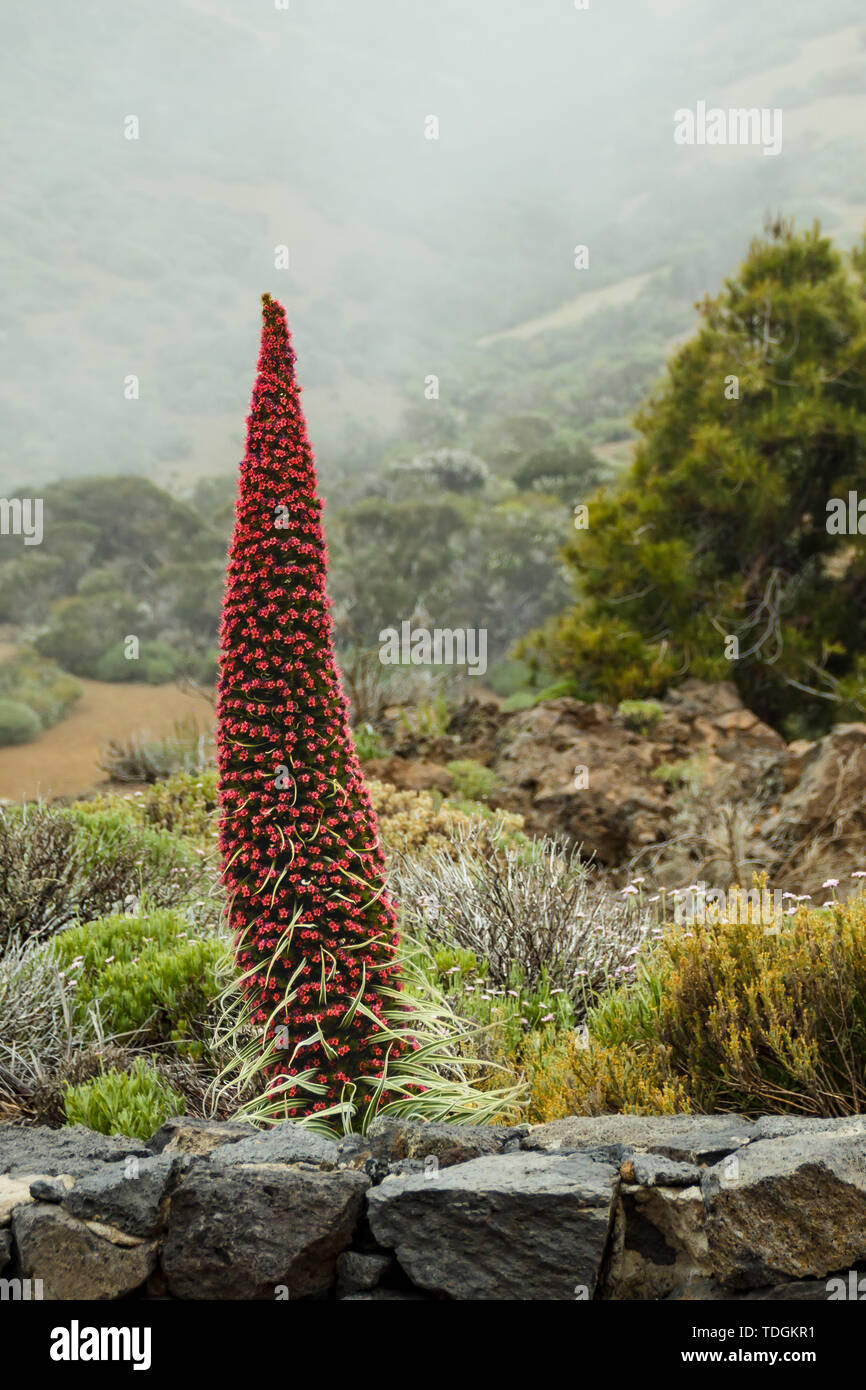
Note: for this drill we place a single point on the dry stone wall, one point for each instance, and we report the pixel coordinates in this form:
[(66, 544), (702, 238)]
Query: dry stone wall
[(613, 1207)]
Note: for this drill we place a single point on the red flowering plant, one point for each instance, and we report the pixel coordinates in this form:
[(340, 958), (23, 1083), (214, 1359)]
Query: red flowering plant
[(322, 1027)]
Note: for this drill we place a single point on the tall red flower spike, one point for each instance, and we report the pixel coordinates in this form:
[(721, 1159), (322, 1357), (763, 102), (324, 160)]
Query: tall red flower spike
[(314, 930)]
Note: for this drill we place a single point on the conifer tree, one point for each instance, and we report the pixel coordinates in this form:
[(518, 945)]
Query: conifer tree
[(720, 553)]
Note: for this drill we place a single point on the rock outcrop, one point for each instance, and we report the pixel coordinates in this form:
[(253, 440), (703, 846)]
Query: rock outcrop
[(618, 787)]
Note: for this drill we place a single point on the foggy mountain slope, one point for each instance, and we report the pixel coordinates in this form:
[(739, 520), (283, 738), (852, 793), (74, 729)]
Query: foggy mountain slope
[(306, 128)]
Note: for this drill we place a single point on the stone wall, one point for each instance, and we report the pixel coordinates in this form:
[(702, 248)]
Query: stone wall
[(615, 1207)]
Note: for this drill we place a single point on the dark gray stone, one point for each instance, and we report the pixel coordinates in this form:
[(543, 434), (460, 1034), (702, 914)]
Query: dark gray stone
[(357, 1273), (406, 1166), (188, 1135), (73, 1149), (394, 1139), (510, 1226), (353, 1151), (653, 1170), (788, 1208), (683, 1138), (285, 1143), (131, 1196), (384, 1296), (5, 1248), (244, 1231), (48, 1190), (783, 1126), (709, 1291)]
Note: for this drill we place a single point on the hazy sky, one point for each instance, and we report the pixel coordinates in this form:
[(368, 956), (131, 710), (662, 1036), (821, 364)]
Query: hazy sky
[(306, 127)]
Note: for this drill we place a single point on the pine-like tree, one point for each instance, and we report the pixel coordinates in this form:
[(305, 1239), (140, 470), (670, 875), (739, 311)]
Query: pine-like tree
[(713, 555), (314, 930)]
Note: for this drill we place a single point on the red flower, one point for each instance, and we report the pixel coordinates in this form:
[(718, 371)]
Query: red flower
[(280, 710)]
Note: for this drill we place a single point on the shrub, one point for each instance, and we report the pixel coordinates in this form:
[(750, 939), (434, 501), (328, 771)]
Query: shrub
[(184, 804), (157, 663), (83, 627), (730, 1017), (140, 759), (148, 978), (425, 719), (34, 1014), (472, 780), (687, 772), (641, 715), (18, 723), (368, 742), (58, 865), (535, 908), (49, 692), (412, 823), (521, 699), (133, 1103)]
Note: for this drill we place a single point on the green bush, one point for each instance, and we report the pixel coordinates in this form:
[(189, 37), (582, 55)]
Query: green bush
[(82, 628), (49, 692), (369, 743), (65, 864), (472, 780), (641, 715), (148, 976), (521, 699), (133, 1103), (184, 804), (18, 723), (732, 1017), (686, 772), (156, 664)]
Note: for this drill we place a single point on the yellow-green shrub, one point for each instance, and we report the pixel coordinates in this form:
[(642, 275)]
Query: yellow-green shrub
[(411, 821), (134, 1102), (730, 1016), (148, 977), (184, 804)]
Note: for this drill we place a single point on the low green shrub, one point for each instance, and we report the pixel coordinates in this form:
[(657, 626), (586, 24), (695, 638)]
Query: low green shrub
[(184, 804), (18, 722), (148, 977), (687, 772), (641, 715), (472, 780), (521, 699), (133, 1103), (40, 685), (156, 664), (369, 743)]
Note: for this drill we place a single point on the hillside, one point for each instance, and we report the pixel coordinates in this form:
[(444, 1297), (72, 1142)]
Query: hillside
[(175, 233)]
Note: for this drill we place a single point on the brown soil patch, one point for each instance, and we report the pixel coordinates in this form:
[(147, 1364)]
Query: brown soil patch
[(64, 761)]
